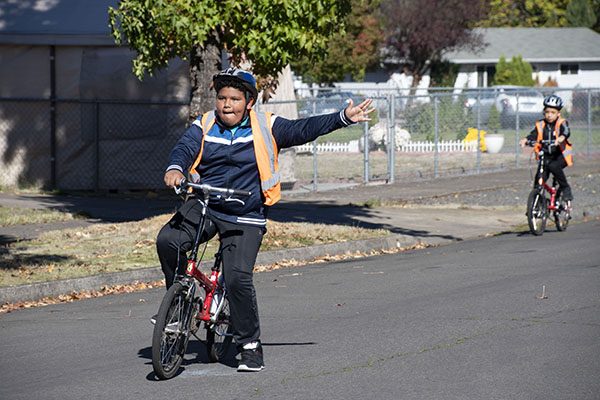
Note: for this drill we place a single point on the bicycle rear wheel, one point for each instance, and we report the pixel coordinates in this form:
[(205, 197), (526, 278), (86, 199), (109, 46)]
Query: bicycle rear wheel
[(536, 212), (562, 215), (219, 335), (171, 332)]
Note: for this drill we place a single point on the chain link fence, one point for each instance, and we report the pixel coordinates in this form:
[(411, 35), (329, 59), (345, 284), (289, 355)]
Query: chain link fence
[(123, 145), (87, 145), (435, 134)]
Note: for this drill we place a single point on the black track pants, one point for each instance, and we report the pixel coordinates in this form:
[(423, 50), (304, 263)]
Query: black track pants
[(240, 244), (556, 165)]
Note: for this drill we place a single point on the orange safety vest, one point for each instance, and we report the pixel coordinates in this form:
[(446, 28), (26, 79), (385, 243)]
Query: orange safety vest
[(265, 150), (565, 146)]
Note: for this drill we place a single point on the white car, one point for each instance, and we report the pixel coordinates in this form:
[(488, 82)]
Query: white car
[(530, 106)]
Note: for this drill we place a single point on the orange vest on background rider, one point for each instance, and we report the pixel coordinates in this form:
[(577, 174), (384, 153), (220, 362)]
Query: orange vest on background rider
[(565, 146), (265, 150)]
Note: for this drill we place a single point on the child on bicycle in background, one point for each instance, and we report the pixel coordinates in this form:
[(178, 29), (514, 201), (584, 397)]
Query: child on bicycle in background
[(556, 129), (237, 148)]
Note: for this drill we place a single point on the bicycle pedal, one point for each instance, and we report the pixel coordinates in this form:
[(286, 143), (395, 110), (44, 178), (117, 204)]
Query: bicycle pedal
[(172, 327)]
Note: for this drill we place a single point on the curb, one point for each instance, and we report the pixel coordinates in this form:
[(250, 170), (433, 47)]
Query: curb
[(38, 291)]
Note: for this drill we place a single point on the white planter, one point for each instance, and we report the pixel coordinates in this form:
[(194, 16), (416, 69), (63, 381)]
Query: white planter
[(494, 142)]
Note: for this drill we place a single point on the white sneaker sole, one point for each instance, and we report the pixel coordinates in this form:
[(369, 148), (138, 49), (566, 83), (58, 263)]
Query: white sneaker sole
[(245, 368)]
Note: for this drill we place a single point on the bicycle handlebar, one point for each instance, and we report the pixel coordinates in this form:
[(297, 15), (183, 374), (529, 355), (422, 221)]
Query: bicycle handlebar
[(549, 144), (542, 142), (184, 184)]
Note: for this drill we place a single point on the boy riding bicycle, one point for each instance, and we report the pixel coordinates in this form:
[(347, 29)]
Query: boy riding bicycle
[(555, 129), (236, 147)]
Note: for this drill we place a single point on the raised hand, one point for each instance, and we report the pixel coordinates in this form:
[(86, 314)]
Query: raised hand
[(359, 112)]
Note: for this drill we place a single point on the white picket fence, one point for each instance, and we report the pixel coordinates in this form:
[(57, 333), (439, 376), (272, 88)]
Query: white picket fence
[(410, 147), (330, 147), (443, 146)]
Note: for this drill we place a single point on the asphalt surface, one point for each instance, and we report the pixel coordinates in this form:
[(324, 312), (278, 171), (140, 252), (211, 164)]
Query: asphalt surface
[(462, 321), (433, 212)]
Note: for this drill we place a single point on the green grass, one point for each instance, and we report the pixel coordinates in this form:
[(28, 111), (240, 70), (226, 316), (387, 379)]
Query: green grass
[(343, 135)]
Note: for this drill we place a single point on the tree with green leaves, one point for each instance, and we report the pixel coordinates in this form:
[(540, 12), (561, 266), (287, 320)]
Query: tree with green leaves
[(580, 13), (349, 53), (516, 72), (268, 34), (525, 13)]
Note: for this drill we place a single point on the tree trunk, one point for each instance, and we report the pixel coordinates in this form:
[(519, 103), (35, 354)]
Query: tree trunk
[(204, 63)]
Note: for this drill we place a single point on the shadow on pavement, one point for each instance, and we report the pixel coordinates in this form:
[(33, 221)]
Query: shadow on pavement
[(318, 213)]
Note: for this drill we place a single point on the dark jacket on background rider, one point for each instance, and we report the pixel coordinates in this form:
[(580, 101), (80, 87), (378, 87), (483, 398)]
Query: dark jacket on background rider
[(550, 132)]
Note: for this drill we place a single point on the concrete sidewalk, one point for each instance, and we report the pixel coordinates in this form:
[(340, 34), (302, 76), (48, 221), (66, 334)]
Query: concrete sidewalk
[(411, 222)]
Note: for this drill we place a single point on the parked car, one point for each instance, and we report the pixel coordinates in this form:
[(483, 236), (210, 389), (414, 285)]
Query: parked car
[(326, 102), (504, 98), (530, 102)]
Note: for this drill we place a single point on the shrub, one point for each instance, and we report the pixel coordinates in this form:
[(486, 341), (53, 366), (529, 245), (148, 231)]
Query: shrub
[(493, 122)]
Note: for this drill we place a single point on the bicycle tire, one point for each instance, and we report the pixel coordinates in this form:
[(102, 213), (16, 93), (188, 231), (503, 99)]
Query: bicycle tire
[(562, 216), (219, 335), (537, 212), (170, 338)]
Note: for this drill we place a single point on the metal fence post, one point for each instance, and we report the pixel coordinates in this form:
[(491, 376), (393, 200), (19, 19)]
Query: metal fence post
[(315, 174), (388, 134), (435, 136), (478, 132), (517, 127), (392, 141), (52, 117), (96, 146), (366, 151), (589, 122)]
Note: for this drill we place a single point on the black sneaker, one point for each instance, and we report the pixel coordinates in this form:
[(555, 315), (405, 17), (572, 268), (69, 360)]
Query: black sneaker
[(153, 319), (252, 359)]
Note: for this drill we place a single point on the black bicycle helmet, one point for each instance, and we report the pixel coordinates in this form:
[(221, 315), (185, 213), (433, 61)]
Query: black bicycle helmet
[(553, 101), (245, 78)]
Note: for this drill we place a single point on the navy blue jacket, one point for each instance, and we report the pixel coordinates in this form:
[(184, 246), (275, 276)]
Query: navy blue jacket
[(228, 160)]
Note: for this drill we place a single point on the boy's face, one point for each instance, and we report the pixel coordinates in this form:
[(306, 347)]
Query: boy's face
[(551, 114), (231, 105)]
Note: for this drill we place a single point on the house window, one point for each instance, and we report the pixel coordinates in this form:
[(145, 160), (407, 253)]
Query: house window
[(485, 75), (569, 69)]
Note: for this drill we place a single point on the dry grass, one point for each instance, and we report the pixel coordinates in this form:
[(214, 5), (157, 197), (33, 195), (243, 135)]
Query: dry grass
[(106, 248), (18, 216)]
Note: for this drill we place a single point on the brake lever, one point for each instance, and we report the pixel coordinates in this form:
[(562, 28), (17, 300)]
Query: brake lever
[(232, 199)]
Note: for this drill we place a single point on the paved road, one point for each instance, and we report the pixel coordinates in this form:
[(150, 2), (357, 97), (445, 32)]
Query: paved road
[(460, 321)]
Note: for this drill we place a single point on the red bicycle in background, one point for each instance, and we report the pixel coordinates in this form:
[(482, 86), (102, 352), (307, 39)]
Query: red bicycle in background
[(544, 199)]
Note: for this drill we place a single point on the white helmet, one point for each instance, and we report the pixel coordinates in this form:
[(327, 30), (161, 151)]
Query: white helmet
[(553, 101)]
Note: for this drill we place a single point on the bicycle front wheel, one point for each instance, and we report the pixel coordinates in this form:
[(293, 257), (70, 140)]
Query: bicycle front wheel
[(536, 212), (562, 215), (219, 335), (171, 332)]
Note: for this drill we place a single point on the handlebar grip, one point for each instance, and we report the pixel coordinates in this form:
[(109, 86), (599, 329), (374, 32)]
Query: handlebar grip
[(181, 187), (238, 192)]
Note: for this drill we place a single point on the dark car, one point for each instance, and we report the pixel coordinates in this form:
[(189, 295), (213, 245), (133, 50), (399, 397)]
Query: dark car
[(480, 102), (325, 103)]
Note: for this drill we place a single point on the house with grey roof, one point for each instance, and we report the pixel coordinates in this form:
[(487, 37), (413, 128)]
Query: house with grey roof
[(570, 56)]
